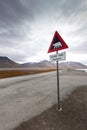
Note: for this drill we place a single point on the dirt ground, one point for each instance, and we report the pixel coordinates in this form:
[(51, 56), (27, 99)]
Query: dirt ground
[(72, 117), (22, 72)]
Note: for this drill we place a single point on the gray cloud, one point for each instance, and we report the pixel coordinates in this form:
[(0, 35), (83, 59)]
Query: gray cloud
[(12, 12), (12, 16), (80, 48), (25, 25)]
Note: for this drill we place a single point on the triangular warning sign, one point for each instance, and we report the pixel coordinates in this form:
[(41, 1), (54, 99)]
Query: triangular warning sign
[(57, 43)]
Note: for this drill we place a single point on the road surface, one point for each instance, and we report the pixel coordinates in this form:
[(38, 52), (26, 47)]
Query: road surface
[(23, 97)]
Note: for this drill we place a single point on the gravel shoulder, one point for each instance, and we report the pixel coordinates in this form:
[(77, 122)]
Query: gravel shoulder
[(72, 117)]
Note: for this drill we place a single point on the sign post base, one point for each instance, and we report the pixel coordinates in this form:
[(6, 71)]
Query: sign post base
[(59, 109)]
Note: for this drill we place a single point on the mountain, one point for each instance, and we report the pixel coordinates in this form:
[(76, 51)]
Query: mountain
[(44, 64), (72, 65), (62, 65), (5, 62)]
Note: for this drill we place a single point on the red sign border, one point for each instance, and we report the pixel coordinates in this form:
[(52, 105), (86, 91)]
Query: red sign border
[(65, 46)]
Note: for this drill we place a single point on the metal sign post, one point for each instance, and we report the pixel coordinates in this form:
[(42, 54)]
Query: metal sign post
[(58, 94), (57, 44), (58, 57)]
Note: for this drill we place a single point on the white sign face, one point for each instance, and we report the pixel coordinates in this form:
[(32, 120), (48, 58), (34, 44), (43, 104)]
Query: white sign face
[(58, 57)]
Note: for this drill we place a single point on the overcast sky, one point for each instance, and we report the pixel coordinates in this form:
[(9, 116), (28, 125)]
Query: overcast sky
[(27, 28)]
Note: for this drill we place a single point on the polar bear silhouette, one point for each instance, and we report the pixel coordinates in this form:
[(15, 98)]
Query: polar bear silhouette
[(57, 45)]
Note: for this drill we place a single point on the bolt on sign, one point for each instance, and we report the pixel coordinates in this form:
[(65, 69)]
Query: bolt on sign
[(56, 45)]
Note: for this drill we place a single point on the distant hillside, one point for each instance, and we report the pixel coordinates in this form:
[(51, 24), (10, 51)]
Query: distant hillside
[(72, 65), (63, 65), (44, 64), (5, 62)]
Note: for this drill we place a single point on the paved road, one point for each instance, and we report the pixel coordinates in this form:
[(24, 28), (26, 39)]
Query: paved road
[(23, 97)]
